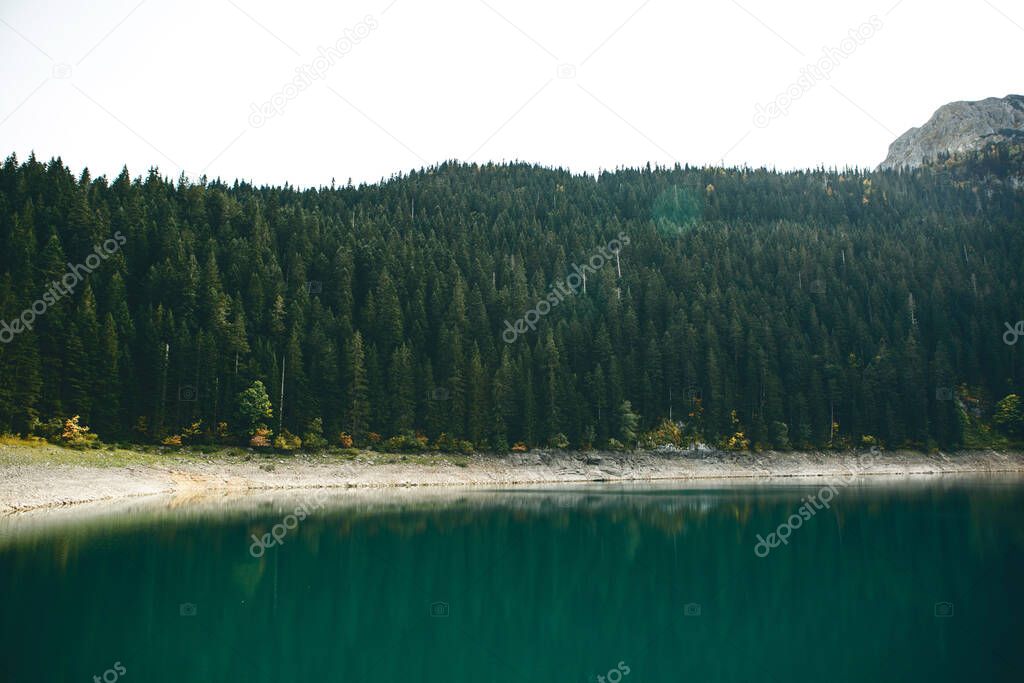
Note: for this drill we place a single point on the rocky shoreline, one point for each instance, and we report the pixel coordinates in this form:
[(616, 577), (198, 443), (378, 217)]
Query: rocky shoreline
[(27, 485)]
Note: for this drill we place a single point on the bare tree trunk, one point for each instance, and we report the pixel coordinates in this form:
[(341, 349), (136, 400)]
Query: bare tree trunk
[(280, 416)]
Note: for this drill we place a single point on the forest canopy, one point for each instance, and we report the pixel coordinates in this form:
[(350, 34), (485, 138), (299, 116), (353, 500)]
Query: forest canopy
[(744, 307)]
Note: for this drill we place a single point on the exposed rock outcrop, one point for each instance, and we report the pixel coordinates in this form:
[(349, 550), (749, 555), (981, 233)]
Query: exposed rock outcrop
[(957, 128)]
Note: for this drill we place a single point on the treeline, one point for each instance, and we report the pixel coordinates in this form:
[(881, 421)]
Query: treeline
[(816, 308)]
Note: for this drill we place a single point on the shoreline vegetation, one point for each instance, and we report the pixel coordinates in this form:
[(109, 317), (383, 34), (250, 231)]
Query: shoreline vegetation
[(44, 475)]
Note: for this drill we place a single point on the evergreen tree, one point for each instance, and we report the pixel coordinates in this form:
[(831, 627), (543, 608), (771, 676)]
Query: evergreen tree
[(358, 396), (402, 385)]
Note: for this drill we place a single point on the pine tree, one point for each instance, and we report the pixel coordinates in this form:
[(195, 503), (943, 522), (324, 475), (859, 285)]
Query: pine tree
[(402, 384), (478, 398), (503, 402), (108, 400), (358, 411), (628, 422)]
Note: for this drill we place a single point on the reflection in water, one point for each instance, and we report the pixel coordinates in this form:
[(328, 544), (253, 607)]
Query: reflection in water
[(554, 584)]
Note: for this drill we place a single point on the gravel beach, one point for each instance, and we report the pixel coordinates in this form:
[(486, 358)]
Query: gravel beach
[(28, 483)]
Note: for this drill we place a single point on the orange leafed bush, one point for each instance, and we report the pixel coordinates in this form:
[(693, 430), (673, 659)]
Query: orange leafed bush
[(75, 433), (261, 439)]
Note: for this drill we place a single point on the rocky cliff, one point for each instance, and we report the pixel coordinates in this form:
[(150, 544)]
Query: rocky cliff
[(959, 127)]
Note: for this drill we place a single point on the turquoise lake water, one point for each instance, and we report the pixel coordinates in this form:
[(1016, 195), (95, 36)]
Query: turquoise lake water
[(912, 581)]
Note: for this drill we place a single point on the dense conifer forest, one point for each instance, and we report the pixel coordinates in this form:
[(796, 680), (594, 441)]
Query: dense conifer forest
[(735, 306)]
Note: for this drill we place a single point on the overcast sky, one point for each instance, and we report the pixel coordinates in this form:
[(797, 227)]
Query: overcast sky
[(213, 86)]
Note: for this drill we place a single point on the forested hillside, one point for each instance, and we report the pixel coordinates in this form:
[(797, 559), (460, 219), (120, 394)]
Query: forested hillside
[(776, 309)]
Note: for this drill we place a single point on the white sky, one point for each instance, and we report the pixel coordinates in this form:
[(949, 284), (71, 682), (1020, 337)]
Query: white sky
[(171, 84)]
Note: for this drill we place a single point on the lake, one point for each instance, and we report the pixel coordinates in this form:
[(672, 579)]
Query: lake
[(881, 580)]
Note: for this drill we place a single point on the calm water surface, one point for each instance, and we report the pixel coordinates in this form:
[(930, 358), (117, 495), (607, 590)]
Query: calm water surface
[(914, 581)]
